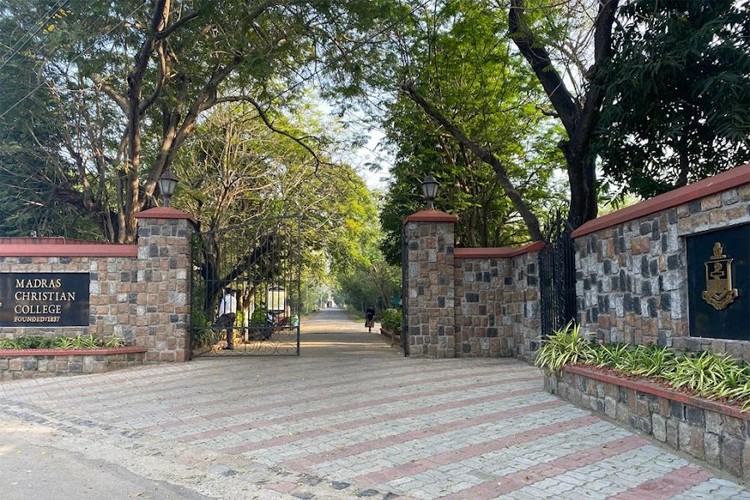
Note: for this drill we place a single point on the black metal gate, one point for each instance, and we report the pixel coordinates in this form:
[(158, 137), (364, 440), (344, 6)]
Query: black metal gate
[(259, 267), (557, 277)]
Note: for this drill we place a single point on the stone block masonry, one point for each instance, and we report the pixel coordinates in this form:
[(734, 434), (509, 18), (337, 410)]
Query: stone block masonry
[(477, 302), (430, 287), (708, 430), (497, 306), (631, 265), (139, 293)]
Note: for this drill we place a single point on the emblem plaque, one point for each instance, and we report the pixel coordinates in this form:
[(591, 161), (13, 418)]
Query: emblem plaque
[(718, 279), (719, 292)]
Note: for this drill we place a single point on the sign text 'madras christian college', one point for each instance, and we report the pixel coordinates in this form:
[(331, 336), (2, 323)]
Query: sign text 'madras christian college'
[(44, 299)]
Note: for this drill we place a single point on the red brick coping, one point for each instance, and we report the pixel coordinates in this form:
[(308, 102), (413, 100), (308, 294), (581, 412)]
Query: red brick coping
[(105, 351), (496, 253), (431, 216), (60, 247), (163, 213), (706, 187), (657, 390)]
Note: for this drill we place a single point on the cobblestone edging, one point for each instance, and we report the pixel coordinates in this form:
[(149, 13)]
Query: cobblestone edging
[(710, 431), (32, 363)]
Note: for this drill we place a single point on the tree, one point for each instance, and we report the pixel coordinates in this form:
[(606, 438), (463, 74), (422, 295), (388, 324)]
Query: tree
[(241, 179), (466, 45), (470, 189), (677, 88), (554, 45), (485, 139), (33, 173), (130, 80)]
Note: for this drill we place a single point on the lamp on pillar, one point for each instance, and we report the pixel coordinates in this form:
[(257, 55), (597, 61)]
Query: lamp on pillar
[(167, 183), (430, 191)]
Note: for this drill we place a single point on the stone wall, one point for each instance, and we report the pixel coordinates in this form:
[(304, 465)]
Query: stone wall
[(497, 306), (631, 265), (139, 293), (162, 288), (468, 302), (50, 363), (708, 430), (430, 285)]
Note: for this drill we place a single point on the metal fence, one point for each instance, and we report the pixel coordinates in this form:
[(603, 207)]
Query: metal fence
[(260, 268), (557, 277)]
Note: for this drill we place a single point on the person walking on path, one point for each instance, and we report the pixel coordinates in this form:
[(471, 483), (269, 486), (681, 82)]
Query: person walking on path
[(227, 315), (369, 318)]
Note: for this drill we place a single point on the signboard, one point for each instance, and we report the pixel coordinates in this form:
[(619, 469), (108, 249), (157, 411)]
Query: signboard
[(44, 299), (276, 299), (719, 283)]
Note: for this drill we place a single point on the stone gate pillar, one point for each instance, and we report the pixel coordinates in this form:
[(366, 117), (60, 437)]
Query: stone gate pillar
[(430, 284), (163, 284)]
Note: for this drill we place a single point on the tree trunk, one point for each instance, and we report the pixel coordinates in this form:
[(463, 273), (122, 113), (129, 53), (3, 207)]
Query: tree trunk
[(578, 115)]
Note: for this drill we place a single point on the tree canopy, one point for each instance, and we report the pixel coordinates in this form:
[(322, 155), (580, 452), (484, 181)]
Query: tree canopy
[(128, 81), (677, 90)]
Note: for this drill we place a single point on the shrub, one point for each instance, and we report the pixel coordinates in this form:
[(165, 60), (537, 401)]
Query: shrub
[(564, 347), (391, 320), (77, 342), (704, 374)]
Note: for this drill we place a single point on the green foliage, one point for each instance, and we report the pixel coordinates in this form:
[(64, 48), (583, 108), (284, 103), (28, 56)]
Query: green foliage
[(201, 333), (704, 374), (677, 89), (258, 318), (653, 361), (391, 320), (710, 376), (134, 80), (564, 347), (459, 59), (114, 342), (78, 342), (374, 284)]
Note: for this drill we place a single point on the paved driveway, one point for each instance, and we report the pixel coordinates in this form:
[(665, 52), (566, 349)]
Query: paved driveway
[(349, 418)]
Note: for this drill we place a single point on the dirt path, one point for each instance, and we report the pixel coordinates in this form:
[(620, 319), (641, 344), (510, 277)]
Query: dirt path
[(332, 333)]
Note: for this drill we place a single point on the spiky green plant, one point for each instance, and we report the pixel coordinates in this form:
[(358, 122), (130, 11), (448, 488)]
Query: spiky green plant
[(114, 342), (564, 347)]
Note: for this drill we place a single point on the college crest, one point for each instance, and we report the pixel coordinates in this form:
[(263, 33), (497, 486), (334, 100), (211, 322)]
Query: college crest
[(719, 292)]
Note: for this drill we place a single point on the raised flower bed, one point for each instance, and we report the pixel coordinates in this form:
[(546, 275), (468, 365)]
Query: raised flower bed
[(714, 432), (698, 403), (31, 363)]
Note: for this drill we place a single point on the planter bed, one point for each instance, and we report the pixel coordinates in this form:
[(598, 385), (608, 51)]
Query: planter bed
[(716, 433), (31, 363)]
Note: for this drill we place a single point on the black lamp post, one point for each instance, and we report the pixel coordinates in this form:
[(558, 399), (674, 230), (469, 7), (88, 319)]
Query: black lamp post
[(167, 183), (430, 191)]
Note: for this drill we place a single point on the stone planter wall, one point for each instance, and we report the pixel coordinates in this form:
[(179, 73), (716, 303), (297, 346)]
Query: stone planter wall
[(34, 363), (708, 430)]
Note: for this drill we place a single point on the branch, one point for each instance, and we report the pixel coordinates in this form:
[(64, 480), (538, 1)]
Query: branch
[(483, 154), (161, 82), (161, 35), (264, 116), (602, 50), (112, 93), (538, 57)]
